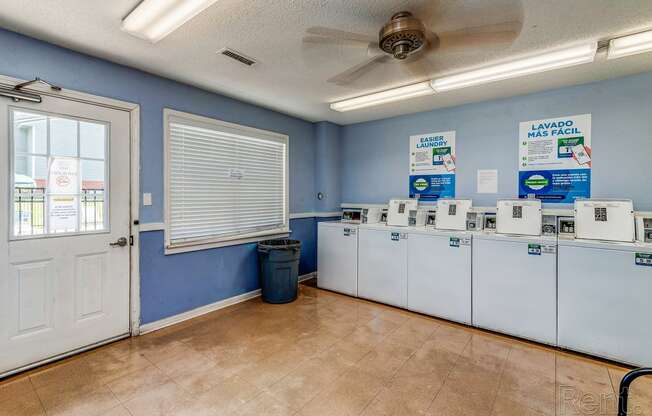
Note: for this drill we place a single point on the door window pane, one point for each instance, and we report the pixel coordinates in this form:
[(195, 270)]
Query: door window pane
[(63, 137), (92, 202), (30, 133), (60, 191), (30, 182), (92, 140)]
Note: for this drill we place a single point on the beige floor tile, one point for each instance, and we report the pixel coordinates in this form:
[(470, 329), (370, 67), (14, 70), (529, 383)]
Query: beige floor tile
[(527, 358), (228, 395), (15, 387), (431, 360), (506, 407), (110, 365), (477, 385), (415, 331), (86, 402), (307, 380), (405, 396), (487, 352), (136, 384), (162, 400), (72, 371), (348, 396), (325, 354), (26, 403), (344, 351), (117, 411), (382, 326), (264, 405), (452, 403), (529, 389), (385, 359), (268, 371)]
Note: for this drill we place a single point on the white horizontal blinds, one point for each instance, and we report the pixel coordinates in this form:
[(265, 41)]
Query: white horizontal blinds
[(223, 182)]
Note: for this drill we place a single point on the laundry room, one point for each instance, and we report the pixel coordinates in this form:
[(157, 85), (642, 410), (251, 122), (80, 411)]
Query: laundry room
[(228, 207)]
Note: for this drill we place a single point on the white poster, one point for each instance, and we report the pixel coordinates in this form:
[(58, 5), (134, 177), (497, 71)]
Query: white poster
[(63, 213), (63, 176), (555, 158), (63, 190), (487, 181), (432, 165)]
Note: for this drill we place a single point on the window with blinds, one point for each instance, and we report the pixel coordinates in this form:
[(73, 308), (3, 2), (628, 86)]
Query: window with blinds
[(225, 183)]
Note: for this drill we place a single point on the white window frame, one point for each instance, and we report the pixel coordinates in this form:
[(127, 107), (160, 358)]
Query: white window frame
[(209, 243)]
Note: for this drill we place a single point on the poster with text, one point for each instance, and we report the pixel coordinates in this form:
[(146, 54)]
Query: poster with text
[(555, 159), (432, 165)]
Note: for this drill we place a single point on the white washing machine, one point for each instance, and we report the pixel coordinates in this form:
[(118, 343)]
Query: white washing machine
[(439, 274), (605, 299), (382, 264), (515, 285), (337, 257)]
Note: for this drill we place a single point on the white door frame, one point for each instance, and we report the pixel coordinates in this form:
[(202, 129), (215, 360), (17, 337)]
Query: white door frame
[(134, 120)]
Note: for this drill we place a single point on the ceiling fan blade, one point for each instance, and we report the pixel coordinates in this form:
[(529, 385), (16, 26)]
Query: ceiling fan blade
[(479, 36), (339, 34), (320, 40), (353, 73)]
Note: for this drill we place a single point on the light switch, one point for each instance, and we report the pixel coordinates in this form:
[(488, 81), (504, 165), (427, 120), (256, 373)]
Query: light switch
[(147, 199)]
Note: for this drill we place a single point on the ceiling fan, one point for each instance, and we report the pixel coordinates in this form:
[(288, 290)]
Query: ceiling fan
[(407, 40)]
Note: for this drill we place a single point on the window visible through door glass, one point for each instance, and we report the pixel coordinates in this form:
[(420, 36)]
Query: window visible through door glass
[(63, 137), (60, 171)]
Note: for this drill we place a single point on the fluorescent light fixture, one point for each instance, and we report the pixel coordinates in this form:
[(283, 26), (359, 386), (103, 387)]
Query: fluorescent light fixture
[(630, 45), (561, 58), (383, 97), (153, 20)]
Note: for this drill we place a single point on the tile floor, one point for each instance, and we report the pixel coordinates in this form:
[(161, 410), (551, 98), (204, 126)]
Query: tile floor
[(324, 354)]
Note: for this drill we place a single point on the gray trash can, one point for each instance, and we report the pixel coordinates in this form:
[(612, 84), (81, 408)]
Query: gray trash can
[(279, 269)]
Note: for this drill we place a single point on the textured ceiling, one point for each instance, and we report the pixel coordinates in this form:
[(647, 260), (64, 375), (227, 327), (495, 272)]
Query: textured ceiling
[(291, 76)]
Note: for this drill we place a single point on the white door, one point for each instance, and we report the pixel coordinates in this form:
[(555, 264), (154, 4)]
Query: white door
[(64, 199), (382, 268), (337, 257), (439, 276)]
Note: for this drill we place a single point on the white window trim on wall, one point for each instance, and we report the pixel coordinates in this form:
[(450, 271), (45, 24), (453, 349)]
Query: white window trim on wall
[(216, 242)]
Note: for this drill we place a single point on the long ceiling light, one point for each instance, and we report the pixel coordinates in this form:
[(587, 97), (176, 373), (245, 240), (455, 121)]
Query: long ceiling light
[(544, 62), (153, 20), (383, 97), (630, 45)]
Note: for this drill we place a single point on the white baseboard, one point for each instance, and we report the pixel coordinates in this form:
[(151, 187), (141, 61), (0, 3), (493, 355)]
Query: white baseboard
[(307, 276), (203, 310)]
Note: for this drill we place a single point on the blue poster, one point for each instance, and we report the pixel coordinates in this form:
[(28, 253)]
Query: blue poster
[(432, 166), (555, 159)]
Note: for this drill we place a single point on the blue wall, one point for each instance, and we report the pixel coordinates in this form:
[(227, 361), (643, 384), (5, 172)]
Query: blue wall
[(24, 57), (374, 155), (327, 166), (173, 284)]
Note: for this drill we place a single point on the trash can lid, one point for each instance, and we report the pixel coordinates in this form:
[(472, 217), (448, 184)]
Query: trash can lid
[(279, 244)]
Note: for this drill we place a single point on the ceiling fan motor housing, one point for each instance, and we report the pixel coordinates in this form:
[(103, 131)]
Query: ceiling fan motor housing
[(403, 35)]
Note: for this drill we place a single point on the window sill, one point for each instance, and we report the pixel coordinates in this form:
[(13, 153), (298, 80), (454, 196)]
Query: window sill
[(188, 247)]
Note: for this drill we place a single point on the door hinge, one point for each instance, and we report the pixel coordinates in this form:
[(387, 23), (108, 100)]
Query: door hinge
[(131, 240)]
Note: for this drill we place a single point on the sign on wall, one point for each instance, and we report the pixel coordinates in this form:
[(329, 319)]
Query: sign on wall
[(555, 159), (432, 165)]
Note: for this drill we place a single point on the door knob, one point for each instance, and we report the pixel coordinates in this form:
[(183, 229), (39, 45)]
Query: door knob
[(122, 241)]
